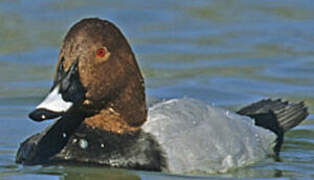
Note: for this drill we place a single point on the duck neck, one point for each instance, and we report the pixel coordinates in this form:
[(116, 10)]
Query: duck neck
[(126, 112)]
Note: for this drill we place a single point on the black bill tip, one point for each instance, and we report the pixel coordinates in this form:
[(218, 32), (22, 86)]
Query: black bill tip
[(43, 114)]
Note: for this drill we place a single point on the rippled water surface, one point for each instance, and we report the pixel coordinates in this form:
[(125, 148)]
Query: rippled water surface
[(224, 52)]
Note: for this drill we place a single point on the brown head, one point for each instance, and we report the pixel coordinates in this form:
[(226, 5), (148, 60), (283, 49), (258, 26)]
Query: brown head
[(108, 78)]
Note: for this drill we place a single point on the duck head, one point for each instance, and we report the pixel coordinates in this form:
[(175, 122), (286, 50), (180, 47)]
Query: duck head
[(98, 76)]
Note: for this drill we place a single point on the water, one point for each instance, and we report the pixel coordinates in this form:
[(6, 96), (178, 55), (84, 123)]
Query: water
[(224, 52)]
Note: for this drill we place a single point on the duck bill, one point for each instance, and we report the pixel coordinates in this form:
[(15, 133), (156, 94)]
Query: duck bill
[(67, 93)]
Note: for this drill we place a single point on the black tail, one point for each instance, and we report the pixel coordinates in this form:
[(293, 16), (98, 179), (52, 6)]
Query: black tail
[(276, 115)]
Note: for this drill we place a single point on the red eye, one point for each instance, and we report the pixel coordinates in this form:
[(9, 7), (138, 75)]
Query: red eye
[(101, 52)]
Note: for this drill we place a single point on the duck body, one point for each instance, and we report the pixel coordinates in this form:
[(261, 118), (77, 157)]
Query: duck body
[(98, 100), (181, 136)]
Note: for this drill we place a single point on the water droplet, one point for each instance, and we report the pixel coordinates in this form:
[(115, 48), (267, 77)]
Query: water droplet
[(102, 145), (66, 157), (83, 144), (64, 135), (74, 140), (111, 110)]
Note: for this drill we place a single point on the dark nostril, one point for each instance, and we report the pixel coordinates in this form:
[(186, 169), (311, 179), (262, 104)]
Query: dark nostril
[(43, 114)]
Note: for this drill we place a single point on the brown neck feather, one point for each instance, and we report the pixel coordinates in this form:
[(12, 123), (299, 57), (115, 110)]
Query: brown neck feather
[(126, 110)]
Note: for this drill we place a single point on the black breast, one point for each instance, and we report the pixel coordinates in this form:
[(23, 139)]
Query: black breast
[(86, 145), (137, 150)]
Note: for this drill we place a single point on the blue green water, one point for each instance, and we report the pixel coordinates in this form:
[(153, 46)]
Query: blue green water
[(224, 52)]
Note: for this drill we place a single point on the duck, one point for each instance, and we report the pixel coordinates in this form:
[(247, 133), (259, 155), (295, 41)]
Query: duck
[(100, 117)]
